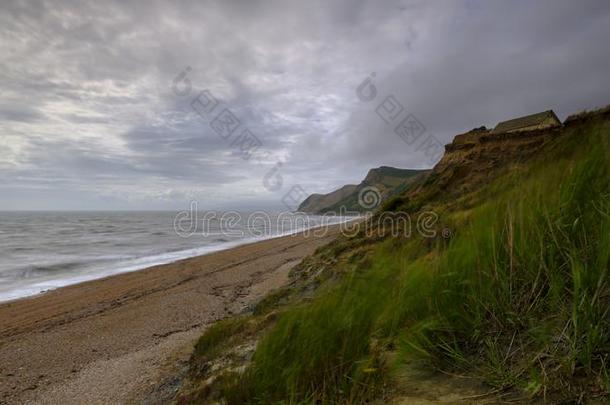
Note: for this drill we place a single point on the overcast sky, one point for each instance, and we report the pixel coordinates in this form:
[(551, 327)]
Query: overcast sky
[(95, 115)]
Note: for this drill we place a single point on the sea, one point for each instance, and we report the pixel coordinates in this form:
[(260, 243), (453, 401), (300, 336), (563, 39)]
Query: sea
[(41, 251)]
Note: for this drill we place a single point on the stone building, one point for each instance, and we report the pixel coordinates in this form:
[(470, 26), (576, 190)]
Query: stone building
[(542, 120)]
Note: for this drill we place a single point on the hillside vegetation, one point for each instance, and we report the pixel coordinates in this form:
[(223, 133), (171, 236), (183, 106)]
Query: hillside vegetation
[(387, 181), (516, 296)]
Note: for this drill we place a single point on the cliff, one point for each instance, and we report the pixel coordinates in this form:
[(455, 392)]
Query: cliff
[(385, 181), (318, 203)]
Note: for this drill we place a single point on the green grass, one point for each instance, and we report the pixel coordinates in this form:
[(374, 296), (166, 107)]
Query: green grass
[(519, 296), (218, 337), (271, 301)]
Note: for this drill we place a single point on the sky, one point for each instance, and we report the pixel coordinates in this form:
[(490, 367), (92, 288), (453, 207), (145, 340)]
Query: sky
[(151, 105)]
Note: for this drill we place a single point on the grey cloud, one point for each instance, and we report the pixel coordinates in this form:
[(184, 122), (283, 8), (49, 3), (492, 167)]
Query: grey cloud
[(12, 113), (86, 105)]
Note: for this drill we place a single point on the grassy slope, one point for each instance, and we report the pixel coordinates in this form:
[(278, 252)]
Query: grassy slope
[(392, 179), (518, 297)]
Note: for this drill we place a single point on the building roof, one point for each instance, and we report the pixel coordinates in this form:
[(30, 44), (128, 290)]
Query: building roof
[(527, 121)]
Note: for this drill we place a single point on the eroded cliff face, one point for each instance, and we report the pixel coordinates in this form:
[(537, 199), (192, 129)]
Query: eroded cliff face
[(477, 157), (471, 163)]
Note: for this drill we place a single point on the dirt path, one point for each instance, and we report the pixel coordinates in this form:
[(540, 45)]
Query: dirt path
[(124, 338)]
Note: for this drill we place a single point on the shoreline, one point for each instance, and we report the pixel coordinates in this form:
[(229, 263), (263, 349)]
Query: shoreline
[(130, 330), (103, 274)]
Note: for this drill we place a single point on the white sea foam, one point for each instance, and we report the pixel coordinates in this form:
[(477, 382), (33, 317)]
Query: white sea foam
[(34, 259)]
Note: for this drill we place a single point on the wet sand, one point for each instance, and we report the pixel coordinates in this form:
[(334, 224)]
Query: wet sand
[(124, 338)]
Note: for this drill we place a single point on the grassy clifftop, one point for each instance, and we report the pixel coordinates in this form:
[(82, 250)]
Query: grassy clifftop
[(516, 296)]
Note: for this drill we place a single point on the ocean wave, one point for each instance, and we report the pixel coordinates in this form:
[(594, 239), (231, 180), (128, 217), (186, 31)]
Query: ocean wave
[(83, 257)]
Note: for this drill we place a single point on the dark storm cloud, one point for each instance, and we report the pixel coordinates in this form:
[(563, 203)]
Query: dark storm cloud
[(87, 111)]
